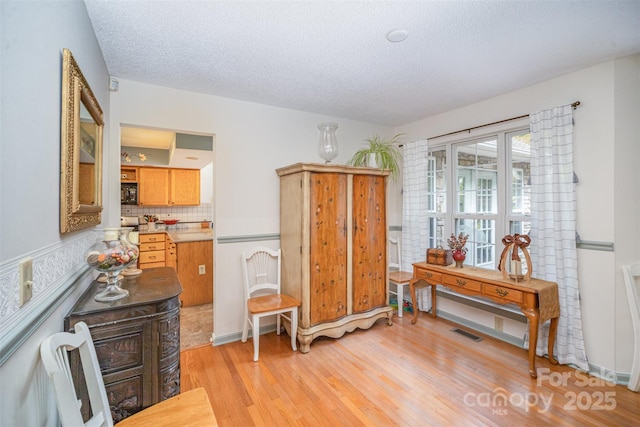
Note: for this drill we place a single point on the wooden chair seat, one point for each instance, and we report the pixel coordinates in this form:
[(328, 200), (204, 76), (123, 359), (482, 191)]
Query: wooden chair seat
[(188, 409), (400, 279), (268, 303)]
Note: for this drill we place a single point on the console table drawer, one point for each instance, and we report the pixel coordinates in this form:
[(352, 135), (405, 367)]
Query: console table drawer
[(429, 276), (461, 283), (504, 293)]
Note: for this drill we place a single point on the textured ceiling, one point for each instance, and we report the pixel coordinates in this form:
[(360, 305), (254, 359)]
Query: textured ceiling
[(332, 57)]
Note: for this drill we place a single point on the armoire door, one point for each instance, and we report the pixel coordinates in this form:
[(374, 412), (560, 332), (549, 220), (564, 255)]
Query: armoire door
[(369, 242), (328, 252)]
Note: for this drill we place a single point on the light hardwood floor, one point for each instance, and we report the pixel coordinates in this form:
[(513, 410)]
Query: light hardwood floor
[(400, 375)]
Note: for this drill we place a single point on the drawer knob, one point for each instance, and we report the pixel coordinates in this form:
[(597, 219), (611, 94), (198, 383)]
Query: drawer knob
[(428, 275), (502, 292), (461, 282)]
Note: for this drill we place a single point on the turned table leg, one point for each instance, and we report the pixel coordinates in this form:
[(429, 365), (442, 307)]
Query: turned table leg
[(553, 330), (433, 300), (412, 290), (533, 315)]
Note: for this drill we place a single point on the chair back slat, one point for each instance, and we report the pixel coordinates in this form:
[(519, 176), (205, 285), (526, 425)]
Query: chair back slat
[(395, 254), (261, 270)]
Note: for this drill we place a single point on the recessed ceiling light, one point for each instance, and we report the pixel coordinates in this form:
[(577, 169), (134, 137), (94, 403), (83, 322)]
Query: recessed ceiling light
[(395, 36)]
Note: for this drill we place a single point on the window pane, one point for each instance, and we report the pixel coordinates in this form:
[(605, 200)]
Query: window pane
[(477, 177), (520, 172), (481, 245), (519, 227), (436, 232), (436, 182)]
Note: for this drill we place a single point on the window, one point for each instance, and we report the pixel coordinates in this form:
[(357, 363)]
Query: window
[(437, 196), (491, 195)]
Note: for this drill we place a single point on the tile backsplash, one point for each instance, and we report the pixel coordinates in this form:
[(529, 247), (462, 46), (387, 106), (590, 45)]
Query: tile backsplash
[(202, 212)]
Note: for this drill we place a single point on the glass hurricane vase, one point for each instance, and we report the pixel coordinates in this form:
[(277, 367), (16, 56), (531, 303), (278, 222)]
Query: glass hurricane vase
[(328, 144), (111, 253)]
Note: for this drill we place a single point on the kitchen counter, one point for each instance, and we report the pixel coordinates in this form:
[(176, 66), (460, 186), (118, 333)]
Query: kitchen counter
[(182, 235), (179, 236)]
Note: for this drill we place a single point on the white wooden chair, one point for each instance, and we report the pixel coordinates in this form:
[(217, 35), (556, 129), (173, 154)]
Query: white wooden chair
[(397, 277), (631, 274), (261, 268), (187, 409)]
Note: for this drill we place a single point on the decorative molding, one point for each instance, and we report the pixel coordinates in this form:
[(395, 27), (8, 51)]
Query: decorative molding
[(248, 238), (56, 269), (595, 246), (237, 336)]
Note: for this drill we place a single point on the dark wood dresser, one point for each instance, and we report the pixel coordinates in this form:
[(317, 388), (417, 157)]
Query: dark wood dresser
[(137, 341)]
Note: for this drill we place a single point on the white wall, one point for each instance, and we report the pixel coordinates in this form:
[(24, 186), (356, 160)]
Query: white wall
[(251, 141), (605, 158), (33, 34)]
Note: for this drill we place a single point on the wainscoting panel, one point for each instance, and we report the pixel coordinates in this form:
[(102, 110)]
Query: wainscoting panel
[(56, 270)]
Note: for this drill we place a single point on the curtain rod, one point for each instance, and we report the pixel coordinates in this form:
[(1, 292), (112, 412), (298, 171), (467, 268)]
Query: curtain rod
[(574, 106)]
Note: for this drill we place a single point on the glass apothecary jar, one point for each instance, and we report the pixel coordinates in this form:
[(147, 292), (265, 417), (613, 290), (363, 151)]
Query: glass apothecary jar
[(111, 253)]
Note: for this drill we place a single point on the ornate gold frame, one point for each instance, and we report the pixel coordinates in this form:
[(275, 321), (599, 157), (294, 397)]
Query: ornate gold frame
[(77, 214)]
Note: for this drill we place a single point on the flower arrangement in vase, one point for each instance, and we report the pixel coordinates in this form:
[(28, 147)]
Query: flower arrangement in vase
[(457, 246), (151, 222)]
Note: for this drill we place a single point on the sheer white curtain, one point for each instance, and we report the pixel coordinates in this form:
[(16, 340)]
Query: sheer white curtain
[(415, 222), (553, 227)]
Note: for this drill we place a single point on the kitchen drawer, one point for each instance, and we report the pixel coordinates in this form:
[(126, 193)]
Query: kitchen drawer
[(151, 238), (430, 276), (151, 246), (460, 283), (152, 256), (500, 292)]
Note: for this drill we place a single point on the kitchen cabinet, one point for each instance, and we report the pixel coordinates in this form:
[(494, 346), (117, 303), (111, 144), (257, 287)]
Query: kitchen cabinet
[(137, 342), (169, 187), (152, 250), (333, 236), (128, 174), (195, 271), (185, 187), (153, 187)]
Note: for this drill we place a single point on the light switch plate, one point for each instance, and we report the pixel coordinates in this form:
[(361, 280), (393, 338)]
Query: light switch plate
[(202, 269), (26, 281)]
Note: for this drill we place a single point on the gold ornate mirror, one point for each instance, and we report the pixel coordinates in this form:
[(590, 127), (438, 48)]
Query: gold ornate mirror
[(81, 151)]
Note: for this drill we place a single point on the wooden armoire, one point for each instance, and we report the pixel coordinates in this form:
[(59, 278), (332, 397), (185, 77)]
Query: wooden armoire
[(333, 236)]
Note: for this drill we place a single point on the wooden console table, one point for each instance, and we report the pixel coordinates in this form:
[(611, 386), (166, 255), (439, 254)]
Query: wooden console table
[(538, 299)]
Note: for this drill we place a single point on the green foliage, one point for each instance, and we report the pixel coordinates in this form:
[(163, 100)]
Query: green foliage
[(387, 154)]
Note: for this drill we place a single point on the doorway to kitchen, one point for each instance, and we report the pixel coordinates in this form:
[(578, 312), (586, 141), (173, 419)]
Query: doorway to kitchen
[(173, 174)]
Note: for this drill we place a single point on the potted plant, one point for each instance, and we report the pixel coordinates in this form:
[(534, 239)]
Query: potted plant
[(380, 153)]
